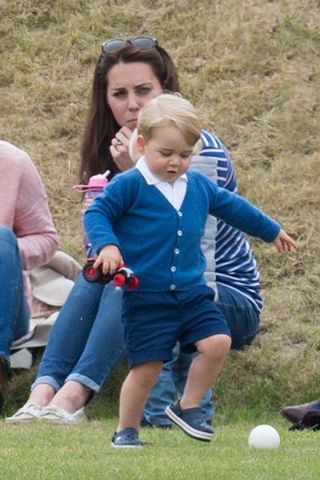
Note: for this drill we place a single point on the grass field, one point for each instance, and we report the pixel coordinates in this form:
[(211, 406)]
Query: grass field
[(252, 69), (81, 453)]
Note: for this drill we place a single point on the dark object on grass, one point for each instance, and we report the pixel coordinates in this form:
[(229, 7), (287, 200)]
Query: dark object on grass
[(311, 419)]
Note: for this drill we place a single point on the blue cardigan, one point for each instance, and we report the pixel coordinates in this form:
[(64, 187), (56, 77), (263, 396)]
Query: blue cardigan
[(161, 244)]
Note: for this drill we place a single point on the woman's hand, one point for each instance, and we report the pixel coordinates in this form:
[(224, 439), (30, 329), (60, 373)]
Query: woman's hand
[(109, 259), (120, 151), (284, 243)]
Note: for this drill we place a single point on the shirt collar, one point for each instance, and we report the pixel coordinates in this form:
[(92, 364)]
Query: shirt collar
[(151, 179)]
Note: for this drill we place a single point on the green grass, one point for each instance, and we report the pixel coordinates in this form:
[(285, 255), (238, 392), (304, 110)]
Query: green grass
[(84, 452)]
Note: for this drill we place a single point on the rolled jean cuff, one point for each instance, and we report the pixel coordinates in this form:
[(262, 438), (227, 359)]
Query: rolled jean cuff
[(85, 381), (46, 379)]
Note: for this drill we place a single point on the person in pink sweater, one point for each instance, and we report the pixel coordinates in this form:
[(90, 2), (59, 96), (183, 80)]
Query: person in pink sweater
[(28, 239)]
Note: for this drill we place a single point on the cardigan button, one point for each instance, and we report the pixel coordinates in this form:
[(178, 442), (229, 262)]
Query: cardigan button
[(177, 251), (173, 286), (173, 269), (179, 232)]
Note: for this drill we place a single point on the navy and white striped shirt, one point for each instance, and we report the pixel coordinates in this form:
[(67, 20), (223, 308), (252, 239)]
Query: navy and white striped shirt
[(235, 264)]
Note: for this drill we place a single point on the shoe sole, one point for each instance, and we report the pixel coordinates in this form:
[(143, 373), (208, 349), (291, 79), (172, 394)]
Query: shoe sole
[(126, 446), (21, 421), (56, 421), (61, 421), (192, 432)]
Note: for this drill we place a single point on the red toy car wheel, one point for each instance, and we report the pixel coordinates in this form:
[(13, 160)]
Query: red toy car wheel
[(91, 274)]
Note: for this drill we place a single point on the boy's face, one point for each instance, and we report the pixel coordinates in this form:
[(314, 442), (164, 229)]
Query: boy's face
[(168, 155)]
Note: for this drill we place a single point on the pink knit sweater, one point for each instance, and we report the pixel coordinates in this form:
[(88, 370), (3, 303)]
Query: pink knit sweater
[(24, 207)]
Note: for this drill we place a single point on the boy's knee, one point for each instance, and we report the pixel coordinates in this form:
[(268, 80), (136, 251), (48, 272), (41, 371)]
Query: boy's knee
[(216, 345), (147, 372)]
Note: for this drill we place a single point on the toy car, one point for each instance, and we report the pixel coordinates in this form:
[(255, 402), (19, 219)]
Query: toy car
[(123, 276)]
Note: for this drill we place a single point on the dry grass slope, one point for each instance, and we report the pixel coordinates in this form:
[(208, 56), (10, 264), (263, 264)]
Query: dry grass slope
[(252, 68)]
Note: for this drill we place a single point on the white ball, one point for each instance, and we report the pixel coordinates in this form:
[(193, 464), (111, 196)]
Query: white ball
[(264, 436)]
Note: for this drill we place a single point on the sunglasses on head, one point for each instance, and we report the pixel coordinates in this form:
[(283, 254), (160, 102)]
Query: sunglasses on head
[(142, 43)]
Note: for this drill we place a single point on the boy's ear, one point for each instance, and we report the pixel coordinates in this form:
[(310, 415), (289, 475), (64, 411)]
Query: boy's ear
[(140, 144)]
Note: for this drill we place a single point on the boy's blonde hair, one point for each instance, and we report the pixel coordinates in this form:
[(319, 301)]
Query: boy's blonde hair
[(163, 111)]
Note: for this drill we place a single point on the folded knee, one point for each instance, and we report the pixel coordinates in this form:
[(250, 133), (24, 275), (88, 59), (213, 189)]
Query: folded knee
[(7, 236)]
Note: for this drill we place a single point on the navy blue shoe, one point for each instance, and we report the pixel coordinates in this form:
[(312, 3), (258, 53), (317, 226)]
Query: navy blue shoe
[(191, 421), (126, 438)]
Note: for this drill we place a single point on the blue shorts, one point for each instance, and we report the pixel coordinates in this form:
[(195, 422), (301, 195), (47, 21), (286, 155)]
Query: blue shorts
[(155, 321)]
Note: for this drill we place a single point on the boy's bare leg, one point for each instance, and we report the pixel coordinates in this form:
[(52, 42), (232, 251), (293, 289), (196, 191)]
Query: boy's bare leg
[(134, 393), (205, 369)]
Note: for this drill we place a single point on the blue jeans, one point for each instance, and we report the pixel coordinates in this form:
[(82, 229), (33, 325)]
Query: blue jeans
[(242, 317), (243, 321), (89, 329), (14, 310)]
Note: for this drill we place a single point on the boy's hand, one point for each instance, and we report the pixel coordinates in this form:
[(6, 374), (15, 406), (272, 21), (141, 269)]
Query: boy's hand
[(284, 243), (109, 259)]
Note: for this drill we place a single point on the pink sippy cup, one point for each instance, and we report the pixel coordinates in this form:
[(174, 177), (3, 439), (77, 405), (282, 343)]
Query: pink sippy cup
[(95, 186)]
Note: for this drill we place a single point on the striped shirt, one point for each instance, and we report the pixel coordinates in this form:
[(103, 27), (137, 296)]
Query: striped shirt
[(235, 265)]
